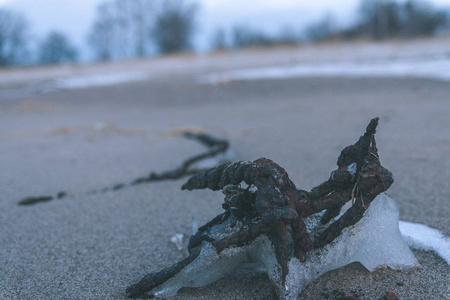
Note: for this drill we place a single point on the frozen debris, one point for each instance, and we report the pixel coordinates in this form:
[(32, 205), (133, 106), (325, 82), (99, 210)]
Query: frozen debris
[(422, 237), (177, 239), (194, 225), (374, 241), (352, 169), (297, 235)]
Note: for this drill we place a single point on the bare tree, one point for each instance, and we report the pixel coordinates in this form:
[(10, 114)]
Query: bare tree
[(125, 28), (122, 29), (13, 38), (102, 36), (322, 29), (141, 13), (421, 19), (134, 22), (380, 18), (243, 36), (386, 18), (175, 25), (124, 39), (57, 49), (288, 36), (219, 40)]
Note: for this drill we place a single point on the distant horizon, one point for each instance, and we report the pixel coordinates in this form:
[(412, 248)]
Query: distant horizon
[(74, 18)]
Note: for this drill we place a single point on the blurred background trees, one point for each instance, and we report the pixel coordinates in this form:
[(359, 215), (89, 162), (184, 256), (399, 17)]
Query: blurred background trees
[(136, 28), (124, 29), (383, 19), (419, 18), (379, 19), (375, 19), (175, 26), (102, 35), (243, 36), (121, 29), (14, 38), (57, 49), (219, 40), (322, 29)]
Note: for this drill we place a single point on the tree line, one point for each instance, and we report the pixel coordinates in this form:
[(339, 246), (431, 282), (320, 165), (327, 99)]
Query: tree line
[(138, 28), (121, 29), (384, 19), (375, 19)]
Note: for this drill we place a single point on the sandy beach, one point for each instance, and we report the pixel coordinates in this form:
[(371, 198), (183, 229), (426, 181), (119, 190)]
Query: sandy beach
[(93, 245)]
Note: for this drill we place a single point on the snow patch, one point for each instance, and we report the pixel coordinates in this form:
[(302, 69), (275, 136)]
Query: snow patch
[(73, 82), (79, 82), (436, 68), (422, 237)]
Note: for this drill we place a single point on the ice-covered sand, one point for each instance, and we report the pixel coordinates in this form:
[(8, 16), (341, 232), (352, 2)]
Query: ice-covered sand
[(430, 68)]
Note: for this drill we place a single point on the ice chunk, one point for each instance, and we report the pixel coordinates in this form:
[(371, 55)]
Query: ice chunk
[(214, 161), (352, 169), (374, 241), (207, 268), (422, 237), (194, 225), (177, 239)]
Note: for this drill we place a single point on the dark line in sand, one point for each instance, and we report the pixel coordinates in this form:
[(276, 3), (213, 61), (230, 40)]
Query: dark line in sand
[(215, 147), (39, 199)]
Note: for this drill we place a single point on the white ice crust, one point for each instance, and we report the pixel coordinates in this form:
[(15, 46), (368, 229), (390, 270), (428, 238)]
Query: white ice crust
[(422, 237), (435, 68), (374, 241)]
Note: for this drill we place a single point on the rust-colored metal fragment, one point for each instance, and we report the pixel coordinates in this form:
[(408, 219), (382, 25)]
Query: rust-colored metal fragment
[(272, 204)]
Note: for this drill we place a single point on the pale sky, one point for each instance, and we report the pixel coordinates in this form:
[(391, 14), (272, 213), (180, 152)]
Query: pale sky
[(74, 17)]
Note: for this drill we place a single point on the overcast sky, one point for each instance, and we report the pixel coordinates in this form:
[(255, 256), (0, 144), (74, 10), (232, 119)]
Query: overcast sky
[(74, 17)]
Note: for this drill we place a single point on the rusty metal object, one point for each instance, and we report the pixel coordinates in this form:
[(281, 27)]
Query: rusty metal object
[(271, 205)]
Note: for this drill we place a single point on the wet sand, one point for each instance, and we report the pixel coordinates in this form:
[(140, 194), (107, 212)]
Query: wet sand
[(91, 246)]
